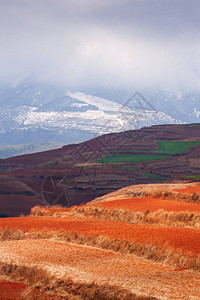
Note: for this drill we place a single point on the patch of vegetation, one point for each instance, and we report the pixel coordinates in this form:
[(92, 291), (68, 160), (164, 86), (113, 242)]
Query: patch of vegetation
[(157, 178), (49, 164), (175, 147), (150, 252), (159, 217), (124, 168), (191, 177), (120, 158), (194, 124), (42, 285), (151, 175), (176, 196)]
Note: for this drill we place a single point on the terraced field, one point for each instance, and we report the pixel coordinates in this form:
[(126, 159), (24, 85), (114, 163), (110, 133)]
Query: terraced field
[(85, 264), (121, 158), (154, 204), (165, 148), (175, 147), (108, 247)]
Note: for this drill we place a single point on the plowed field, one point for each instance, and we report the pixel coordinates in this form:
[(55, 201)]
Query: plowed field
[(190, 190), (85, 264), (185, 239), (144, 203)]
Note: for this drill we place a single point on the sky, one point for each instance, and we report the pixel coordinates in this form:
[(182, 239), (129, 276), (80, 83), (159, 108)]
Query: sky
[(101, 43)]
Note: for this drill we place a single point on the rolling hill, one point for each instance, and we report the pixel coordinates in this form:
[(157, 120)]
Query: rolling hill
[(78, 173), (124, 245)]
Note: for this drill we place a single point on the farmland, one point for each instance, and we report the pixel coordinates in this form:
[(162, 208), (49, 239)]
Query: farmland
[(175, 147), (91, 248), (97, 167), (114, 233), (121, 158)]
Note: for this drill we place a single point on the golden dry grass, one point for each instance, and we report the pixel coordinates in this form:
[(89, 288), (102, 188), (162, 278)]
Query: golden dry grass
[(44, 286), (176, 196), (164, 255), (39, 211), (141, 190), (160, 217)]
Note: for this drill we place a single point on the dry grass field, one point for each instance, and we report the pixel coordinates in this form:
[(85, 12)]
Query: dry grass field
[(132, 244)]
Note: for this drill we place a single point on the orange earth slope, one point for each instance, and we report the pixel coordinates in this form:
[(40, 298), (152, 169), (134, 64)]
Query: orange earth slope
[(184, 239), (11, 290), (86, 264), (153, 204)]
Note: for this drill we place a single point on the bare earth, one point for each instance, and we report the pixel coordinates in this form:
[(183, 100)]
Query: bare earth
[(11, 290), (129, 191), (86, 264)]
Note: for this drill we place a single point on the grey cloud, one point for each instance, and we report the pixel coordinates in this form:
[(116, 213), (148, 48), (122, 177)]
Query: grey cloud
[(97, 43)]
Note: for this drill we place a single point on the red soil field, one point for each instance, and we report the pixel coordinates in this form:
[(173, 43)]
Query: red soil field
[(145, 203), (128, 191), (190, 190), (59, 210), (86, 264), (185, 239), (11, 290)]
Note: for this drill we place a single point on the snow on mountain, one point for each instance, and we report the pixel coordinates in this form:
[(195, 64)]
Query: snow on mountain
[(101, 103), (36, 113)]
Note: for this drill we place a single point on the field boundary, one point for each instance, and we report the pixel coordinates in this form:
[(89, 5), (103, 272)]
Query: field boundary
[(165, 255), (41, 284), (159, 217)]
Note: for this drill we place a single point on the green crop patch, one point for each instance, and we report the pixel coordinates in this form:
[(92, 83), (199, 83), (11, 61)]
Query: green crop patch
[(124, 168), (192, 177), (151, 175), (49, 164), (175, 147), (121, 158)]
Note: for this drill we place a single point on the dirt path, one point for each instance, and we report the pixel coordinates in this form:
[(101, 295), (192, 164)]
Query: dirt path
[(86, 264)]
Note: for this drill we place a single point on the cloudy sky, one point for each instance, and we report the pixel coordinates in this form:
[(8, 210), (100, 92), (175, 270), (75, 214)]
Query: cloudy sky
[(102, 43)]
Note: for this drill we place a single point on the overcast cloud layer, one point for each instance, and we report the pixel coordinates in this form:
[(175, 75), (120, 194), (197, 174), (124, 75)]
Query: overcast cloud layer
[(102, 43)]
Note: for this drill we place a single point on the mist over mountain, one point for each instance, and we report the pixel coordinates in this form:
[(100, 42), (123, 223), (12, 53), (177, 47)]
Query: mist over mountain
[(70, 70), (107, 44), (40, 113)]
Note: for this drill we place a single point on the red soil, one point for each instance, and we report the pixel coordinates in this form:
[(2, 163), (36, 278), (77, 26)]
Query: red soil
[(190, 190), (87, 264), (153, 204), (11, 290), (185, 239)]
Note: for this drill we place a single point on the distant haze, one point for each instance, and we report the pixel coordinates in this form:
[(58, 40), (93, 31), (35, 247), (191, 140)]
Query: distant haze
[(101, 43)]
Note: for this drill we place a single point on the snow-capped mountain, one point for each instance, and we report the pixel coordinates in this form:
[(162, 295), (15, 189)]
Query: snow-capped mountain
[(35, 113), (178, 104)]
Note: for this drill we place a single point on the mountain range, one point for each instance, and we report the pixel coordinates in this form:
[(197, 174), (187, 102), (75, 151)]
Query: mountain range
[(39, 113)]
